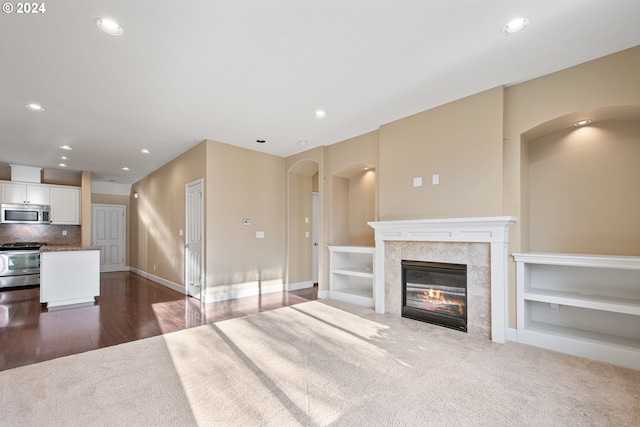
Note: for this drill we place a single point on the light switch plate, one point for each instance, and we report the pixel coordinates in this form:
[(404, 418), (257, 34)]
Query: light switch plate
[(417, 181), (435, 179), (259, 234)]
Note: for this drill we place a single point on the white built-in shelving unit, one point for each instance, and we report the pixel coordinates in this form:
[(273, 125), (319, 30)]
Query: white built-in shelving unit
[(351, 278), (585, 305)]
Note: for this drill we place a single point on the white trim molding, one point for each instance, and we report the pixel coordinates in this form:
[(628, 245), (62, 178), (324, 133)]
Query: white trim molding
[(299, 285), (159, 280), (239, 290), (493, 230)]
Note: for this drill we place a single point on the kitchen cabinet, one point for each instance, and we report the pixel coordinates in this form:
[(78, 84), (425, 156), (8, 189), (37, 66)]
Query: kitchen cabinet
[(352, 274), (585, 305), (22, 193), (65, 205)]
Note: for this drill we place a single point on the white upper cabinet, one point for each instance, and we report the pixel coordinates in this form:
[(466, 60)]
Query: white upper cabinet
[(33, 194), (65, 205)]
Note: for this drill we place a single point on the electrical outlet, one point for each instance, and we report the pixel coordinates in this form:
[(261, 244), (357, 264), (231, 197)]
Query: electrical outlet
[(257, 276)]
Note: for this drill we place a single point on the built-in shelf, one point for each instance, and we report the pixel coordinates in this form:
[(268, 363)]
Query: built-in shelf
[(585, 305), (595, 302), (352, 274)]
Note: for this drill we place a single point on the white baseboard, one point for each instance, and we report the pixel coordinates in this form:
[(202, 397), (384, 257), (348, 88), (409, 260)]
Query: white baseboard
[(239, 290), (512, 334), (159, 280), (323, 294), (298, 286), (223, 293)]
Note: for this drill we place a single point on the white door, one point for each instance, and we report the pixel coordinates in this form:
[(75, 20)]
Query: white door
[(315, 250), (194, 241), (108, 225)]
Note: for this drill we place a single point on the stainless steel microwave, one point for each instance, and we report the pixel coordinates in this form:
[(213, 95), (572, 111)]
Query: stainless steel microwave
[(25, 214)]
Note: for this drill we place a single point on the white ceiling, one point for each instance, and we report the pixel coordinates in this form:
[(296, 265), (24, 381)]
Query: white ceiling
[(238, 71)]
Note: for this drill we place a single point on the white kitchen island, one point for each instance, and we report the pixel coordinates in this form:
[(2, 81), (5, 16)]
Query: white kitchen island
[(69, 275)]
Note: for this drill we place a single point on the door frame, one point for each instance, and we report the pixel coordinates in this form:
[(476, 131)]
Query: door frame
[(186, 236)]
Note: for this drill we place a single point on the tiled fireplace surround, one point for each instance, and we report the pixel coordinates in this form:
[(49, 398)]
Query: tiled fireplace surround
[(480, 243)]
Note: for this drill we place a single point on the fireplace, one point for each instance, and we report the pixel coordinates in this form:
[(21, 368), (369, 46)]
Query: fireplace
[(480, 243), (435, 292)]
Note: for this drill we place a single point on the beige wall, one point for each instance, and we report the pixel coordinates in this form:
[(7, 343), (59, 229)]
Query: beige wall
[(238, 184), (339, 211), (352, 196), (352, 207), (48, 176), (550, 103), (584, 190), (113, 199), (462, 142), (362, 191), (158, 214), (243, 184), (86, 227)]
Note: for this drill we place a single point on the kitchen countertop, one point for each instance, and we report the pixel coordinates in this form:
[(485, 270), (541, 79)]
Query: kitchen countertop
[(68, 248)]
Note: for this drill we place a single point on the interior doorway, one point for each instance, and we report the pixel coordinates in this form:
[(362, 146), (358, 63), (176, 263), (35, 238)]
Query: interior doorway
[(194, 240), (304, 237), (315, 252), (108, 233)]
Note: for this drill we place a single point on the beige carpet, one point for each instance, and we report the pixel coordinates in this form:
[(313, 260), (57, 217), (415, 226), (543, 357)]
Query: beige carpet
[(320, 363)]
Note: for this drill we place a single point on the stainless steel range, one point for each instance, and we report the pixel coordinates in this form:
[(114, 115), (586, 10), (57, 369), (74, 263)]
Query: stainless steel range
[(20, 264)]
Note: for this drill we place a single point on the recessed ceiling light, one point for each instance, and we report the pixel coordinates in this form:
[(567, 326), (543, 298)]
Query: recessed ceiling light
[(582, 122), (34, 107), (62, 165), (260, 141), (109, 26), (63, 158), (321, 114), (515, 25), (303, 142), (125, 168), (66, 147), (145, 151)]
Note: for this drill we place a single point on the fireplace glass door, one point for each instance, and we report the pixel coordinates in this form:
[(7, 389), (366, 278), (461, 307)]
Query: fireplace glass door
[(435, 293)]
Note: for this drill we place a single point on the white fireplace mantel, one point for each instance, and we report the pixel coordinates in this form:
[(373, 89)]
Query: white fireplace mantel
[(493, 230)]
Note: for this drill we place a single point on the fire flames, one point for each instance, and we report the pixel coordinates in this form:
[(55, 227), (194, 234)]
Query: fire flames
[(437, 298)]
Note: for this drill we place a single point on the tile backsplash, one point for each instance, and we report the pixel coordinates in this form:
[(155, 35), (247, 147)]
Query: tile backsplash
[(45, 233)]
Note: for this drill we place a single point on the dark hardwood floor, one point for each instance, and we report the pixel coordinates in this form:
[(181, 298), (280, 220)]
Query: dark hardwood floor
[(129, 308)]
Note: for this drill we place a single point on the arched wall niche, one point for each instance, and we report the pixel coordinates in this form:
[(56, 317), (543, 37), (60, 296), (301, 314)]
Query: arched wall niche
[(579, 184), (302, 182), (353, 196)]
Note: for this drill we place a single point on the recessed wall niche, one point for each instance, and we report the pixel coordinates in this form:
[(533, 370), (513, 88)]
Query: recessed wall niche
[(353, 205), (583, 190)]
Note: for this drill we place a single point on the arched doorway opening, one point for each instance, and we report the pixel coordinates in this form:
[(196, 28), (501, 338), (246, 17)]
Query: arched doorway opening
[(304, 244)]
